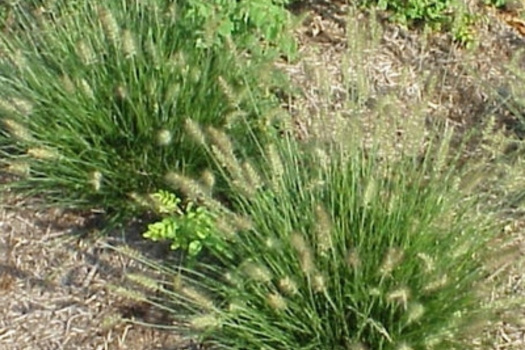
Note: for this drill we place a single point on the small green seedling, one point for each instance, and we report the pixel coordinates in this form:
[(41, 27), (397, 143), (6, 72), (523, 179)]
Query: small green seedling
[(189, 229)]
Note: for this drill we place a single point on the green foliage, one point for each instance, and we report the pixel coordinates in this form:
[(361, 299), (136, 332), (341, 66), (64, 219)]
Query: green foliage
[(347, 251), (251, 23), (190, 229), (496, 3), (462, 29), (94, 95), (445, 15), (413, 12)]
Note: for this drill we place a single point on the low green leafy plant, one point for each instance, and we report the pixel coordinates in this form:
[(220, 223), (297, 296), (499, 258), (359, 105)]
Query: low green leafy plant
[(443, 15), (433, 13), (334, 246), (249, 22), (189, 229), (94, 95), (496, 3)]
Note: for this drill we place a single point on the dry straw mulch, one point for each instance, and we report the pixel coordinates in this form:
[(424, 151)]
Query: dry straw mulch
[(54, 286)]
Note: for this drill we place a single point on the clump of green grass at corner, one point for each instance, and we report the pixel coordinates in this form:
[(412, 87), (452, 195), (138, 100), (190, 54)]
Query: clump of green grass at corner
[(94, 95), (440, 15), (338, 247)]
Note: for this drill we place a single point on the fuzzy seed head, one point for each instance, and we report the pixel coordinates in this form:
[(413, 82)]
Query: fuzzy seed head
[(198, 298), (231, 118), (23, 106), (195, 74), (43, 153), (144, 281), (226, 230), (231, 164), (179, 62), (130, 252), (432, 341), (461, 250), (38, 13), (96, 180), (305, 253), (164, 137), (288, 286), (17, 130), (428, 262), (109, 25), (208, 180), (129, 48), (276, 166), (307, 263), (399, 296), (276, 301), (415, 312), (404, 346), (67, 84), (86, 88), (352, 259), (7, 106), (323, 231), (189, 187), (319, 283), (298, 242), (322, 158), (436, 284), (252, 177), (177, 283), (171, 11), (194, 130), (242, 223), (233, 279), (356, 346), (18, 168), (227, 91), (231, 46), (370, 192), (375, 292), (272, 243), (85, 53), (444, 150), (236, 307), (121, 93), (204, 322), (211, 203), (128, 294), (16, 106), (392, 259), (220, 140), (257, 272)]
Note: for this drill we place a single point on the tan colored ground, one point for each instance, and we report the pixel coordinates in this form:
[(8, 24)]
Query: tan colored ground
[(53, 291), (53, 287)]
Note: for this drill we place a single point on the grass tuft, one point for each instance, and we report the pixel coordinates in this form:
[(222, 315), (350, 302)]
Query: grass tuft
[(339, 266), (108, 86)]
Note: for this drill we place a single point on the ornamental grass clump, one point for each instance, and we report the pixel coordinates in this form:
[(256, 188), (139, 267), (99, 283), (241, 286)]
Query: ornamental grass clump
[(95, 94), (345, 249)]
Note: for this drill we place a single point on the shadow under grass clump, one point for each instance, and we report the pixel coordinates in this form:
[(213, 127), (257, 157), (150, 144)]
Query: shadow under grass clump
[(332, 247), (94, 95)]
